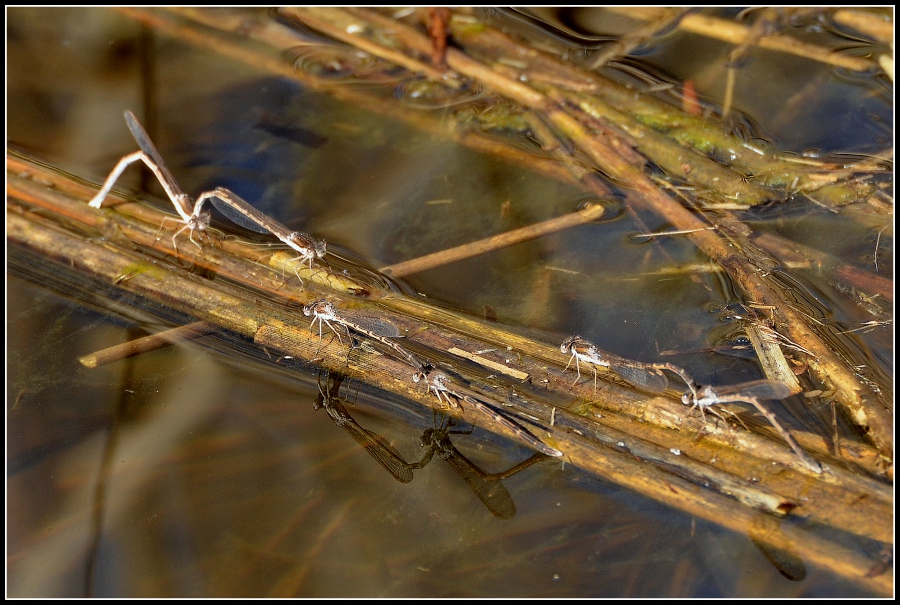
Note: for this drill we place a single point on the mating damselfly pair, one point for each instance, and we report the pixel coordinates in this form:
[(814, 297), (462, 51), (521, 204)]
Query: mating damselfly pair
[(192, 213)]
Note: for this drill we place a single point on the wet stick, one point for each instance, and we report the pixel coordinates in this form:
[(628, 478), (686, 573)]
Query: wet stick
[(451, 255), (589, 443), (736, 33), (147, 343)]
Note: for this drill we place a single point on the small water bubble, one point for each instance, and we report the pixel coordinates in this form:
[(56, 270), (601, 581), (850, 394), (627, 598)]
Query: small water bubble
[(342, 64), (639, 238), (612, 208), (427, 94)]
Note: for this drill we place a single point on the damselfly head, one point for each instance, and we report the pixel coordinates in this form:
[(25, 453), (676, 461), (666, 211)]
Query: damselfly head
[(306, 244), (319, 307), (568, 344), (310, 309), (576, 344), (437, 379), (434, 380), (704, 397), (319, 246), (201, 221)]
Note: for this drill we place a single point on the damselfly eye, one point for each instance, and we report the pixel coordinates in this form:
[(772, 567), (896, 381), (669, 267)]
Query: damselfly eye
[(202, 221)]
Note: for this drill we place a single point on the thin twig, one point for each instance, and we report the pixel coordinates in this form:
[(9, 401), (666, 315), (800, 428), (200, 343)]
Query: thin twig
[(639, 36), (496, 242), (147, 343), (735, 33)]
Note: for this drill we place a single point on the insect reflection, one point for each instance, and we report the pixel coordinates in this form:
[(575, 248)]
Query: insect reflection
[(486, 486)]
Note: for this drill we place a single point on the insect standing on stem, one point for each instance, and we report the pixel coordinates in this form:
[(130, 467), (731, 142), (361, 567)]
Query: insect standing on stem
[(649, 376), (193, 219), (752, 392), (192, 214), (374, 328), (446, 390), (243, 213)]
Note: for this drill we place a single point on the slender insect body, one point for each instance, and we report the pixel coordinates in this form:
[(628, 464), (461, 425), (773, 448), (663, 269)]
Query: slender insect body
[(379, 330), (192, 214), (648, 376), (754, 393), (305, 245), (441, 385)]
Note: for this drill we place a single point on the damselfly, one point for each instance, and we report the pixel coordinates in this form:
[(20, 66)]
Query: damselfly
[(450, 391), (753, 392), (374, 328), (649, 376), (193, 219), (243, 213), (192, 214)]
